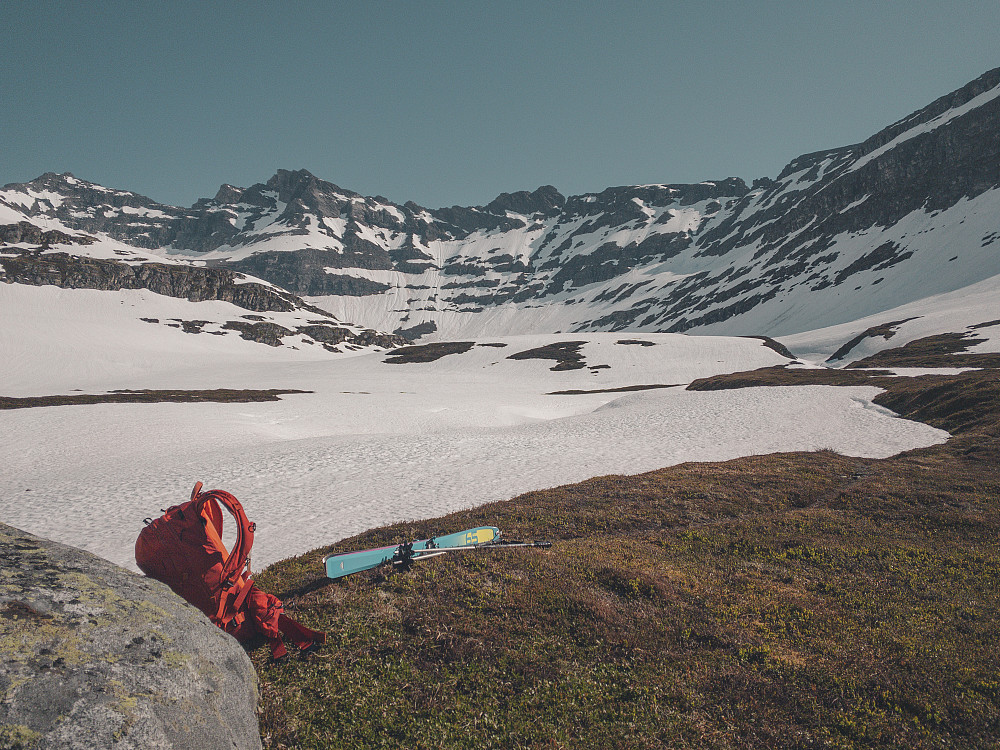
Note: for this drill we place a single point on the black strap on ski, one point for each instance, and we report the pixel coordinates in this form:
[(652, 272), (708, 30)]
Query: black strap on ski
[(403, 559), (502, 543), (406, 555)]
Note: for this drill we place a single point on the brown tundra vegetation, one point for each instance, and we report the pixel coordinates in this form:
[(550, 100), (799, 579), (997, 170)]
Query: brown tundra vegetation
[(792, 600)]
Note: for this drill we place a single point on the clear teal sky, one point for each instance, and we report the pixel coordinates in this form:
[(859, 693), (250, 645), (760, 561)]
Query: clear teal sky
[(455, 102)]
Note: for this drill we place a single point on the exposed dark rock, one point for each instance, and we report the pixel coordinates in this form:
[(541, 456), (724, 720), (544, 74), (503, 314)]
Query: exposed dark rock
[(192, 326), (610, 260), (415, 332), (463, 221), (228, 194), (194, 283), (28, 233), (885, 330), (622, 292), (619, 319), (325, 334), (883, 256), (97, 657), (507, 263), (477, 284), (369, 337), (724, 313), (464, 269), (410, 259), (427, 352), (776, 346), (263, 333), (566, 354), (622, 389)]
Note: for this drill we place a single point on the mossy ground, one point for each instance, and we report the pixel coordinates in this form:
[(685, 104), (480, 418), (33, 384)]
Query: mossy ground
[(790, 600)]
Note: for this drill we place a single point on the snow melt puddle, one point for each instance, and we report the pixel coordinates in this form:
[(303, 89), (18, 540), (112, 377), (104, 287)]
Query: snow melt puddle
[(307, 492)]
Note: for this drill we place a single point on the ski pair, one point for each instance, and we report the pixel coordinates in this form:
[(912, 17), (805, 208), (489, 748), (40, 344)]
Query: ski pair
[(404, 555)]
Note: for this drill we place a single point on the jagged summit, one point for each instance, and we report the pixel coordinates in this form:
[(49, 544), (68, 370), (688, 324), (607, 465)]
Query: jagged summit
[(543, 200)]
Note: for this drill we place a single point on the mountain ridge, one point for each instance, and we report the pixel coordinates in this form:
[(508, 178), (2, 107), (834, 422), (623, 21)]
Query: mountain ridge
[(776, 257)]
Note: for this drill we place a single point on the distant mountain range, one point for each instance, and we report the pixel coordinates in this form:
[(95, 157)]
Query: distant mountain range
[(839, 234)]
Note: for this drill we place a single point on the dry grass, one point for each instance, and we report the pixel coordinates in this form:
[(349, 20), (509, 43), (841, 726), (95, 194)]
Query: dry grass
[(786, 601)]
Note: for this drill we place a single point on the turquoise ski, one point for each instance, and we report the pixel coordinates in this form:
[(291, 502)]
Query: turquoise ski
[(347, 563)]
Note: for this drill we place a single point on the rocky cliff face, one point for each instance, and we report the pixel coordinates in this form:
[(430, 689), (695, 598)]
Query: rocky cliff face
[(187, 282), (97, 657), (837, 229), (24, 262)]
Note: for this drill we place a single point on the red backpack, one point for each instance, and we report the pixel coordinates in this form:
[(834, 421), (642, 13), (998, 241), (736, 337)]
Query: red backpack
[(183, 549)]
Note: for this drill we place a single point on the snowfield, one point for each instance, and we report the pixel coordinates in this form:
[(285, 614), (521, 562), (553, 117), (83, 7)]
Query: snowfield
[(374, 442)]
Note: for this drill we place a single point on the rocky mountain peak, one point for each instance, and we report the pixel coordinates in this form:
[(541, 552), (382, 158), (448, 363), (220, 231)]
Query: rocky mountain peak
[(291, 184), (228, 194), (545, 200), (958, 98)]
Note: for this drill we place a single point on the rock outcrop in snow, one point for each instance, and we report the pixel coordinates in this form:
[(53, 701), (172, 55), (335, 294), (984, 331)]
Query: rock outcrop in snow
[(97, 657)]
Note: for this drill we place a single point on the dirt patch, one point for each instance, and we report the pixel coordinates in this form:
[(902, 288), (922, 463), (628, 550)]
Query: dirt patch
[(635, 342), (217, 395)]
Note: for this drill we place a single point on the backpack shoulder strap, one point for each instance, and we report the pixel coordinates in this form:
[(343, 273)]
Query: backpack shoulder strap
[(240, 552)]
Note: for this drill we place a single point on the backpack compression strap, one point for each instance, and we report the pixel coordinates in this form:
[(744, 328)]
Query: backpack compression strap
[(240, 552), (235, 586)]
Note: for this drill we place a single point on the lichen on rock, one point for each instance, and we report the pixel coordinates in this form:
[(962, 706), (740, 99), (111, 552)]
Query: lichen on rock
[(92, 655)]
